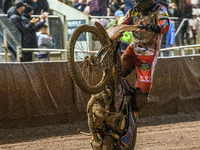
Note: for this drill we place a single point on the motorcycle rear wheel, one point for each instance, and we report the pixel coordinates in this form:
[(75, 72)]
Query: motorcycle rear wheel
[(133, 140)]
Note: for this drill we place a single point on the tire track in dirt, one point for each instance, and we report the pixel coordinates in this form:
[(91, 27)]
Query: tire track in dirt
[(177, 136), (172, 132)]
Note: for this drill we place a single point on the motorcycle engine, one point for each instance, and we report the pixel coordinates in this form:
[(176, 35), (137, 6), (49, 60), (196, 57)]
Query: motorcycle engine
[(104, 116)]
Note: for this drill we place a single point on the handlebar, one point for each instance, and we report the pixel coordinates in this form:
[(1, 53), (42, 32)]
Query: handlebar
[(115, 32)]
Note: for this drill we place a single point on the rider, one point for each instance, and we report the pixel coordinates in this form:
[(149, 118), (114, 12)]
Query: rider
[(143, 51)]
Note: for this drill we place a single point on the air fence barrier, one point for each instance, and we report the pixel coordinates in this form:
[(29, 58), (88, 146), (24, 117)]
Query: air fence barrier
[(41, 93)]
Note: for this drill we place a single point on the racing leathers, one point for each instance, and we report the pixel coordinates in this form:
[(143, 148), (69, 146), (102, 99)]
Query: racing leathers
[(143, 51)]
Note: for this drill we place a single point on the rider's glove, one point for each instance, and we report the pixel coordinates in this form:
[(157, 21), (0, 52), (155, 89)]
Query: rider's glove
[(153, 27)]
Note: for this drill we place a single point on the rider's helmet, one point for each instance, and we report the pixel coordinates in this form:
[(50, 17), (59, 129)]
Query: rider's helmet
[(141, 5)]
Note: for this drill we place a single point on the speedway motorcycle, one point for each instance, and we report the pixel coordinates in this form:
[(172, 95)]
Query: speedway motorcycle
[(94, 65)]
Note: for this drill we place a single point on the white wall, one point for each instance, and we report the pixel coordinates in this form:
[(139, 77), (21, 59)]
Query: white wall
[(70, 12)]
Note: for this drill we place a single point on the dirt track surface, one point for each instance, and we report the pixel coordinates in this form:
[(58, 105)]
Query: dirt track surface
[(170, 132)]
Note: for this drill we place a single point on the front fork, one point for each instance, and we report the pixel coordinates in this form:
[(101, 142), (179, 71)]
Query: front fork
[(106, 55)]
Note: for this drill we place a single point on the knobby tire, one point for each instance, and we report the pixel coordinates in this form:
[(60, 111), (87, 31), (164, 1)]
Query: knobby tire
[(71, 61)]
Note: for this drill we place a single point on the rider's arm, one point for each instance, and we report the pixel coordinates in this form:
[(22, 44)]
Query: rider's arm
[(162, 26), (163, 20)]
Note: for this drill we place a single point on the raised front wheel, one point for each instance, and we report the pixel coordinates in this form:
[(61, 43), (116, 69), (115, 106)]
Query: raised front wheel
[(89, 69)]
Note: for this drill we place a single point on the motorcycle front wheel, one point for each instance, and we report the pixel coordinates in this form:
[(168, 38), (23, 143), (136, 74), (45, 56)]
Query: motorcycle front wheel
[(89, 70)]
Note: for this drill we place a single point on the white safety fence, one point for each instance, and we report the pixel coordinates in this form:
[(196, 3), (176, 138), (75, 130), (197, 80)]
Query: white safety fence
[(62, 52), (173, 52), (181, 51)]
